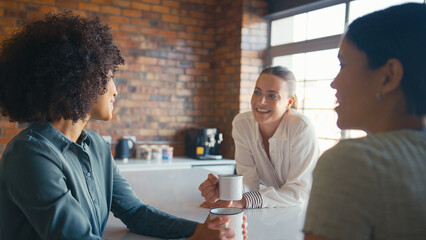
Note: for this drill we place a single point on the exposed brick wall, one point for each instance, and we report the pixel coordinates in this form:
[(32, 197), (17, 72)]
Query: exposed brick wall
[(187, 62), (254, 43), (227, 68), (240, 55)]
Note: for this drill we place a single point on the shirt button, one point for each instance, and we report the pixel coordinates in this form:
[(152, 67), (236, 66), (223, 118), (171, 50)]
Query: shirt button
[(95, 202), (88, 174)]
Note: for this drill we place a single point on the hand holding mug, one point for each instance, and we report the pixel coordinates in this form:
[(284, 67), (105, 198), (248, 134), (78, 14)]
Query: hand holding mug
[(213, 229), (236, 222), (210, 188)]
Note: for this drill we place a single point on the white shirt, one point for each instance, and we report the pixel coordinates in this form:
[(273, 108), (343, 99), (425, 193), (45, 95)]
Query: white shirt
[(287, 176)]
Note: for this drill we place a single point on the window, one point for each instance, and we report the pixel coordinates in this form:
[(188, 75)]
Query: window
[(306, 40)]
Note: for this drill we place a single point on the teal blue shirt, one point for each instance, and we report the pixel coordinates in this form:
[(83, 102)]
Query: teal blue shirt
[(53, 188)]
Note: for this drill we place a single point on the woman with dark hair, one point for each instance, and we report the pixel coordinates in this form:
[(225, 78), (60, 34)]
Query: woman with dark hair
[(276, 147), (375, 187), (58, 181)]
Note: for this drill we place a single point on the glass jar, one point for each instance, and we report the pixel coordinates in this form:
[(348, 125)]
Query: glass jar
[(156, 153), (143, 152)]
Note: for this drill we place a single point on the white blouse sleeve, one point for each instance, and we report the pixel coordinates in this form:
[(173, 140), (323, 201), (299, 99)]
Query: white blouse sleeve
[(244, 158)]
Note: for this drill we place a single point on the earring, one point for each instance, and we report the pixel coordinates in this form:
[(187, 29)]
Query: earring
[(379, 97)]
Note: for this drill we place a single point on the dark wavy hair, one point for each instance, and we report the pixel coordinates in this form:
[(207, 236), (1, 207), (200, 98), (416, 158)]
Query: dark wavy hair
[(55, 68), (396, 32)]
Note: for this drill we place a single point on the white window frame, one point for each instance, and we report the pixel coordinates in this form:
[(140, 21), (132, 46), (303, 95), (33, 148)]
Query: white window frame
[(311, 45)]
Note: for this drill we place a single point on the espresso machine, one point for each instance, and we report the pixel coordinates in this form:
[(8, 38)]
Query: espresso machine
[(203, 143)]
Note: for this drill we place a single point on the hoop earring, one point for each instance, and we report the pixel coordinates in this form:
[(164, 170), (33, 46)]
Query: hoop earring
[(379, 97)]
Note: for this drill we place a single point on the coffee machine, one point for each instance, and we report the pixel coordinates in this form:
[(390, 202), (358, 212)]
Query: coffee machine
[(203, 143)]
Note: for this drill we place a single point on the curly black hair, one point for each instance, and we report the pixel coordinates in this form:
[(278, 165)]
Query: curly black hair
[(55, 68)]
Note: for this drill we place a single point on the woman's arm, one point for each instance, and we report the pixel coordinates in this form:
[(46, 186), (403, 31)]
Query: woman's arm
[(145, 219)]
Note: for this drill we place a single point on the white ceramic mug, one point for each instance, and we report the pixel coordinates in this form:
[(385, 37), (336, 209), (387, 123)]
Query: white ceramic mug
[(230, 187), (236, 217)]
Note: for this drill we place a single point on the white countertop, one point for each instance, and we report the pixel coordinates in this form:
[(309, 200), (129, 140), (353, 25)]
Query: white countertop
[(176, 192), (175, 163)]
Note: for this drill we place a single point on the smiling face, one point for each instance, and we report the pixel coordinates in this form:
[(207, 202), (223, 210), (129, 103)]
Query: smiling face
[(102, 108), (356, 88), (270, 99)]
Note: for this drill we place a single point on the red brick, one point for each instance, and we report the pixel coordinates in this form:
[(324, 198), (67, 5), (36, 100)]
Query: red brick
[(160, 9), (69, 4), (8, 4), (185, 78), (101, 1), (121, 3), (196, 14), (118, 19), (209, 44), (141, 6), (7, 22), (89, 7), (7, 124), (4, 140), (194, 43), (48, 9), (205, 37), (37, 15), (192, 57), (130, 28), (114, 26), (111, 10), (190, 21), (11, 132), (259, 4), (150, 31), (147, 60), (192, 29), (151, 1), (51, 2), (170, 18), (202, 65), (166, 33), (141, 22), (132, 13), (192, 71), (186, 35), (172, 3)]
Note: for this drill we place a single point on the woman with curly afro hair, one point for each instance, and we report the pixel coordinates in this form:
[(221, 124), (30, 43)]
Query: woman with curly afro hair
[(58, 181)]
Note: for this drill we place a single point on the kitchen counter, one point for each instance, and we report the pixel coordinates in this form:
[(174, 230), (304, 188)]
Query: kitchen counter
[(223, 166), (176, 192)]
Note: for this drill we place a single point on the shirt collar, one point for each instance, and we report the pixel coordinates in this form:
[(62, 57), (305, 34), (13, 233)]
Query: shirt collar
[(56, 137), (280, 134)]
